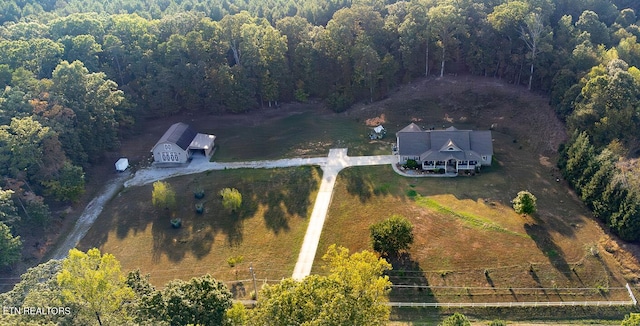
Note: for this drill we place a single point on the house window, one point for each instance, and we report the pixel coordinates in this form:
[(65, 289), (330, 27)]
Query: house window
[(484, 157)]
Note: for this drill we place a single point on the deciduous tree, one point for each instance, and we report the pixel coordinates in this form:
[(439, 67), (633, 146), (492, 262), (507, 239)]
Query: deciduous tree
[(10, 246), (163, 195), (354, 293), (231, 199), (524, 203), (96, 284), (392, 235), (200, 301)]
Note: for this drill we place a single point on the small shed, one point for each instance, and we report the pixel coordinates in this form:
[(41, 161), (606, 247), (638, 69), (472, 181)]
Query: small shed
[(378, 132), (122, 164)]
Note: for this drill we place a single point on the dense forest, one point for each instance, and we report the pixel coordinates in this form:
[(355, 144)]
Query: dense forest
[(76, 75)]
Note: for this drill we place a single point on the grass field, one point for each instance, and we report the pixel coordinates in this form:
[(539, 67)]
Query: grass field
[(470, 246), (267, 230), (299, 135), (468, 237)]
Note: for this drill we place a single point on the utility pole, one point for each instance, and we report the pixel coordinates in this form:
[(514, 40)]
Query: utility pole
[(253, 275)]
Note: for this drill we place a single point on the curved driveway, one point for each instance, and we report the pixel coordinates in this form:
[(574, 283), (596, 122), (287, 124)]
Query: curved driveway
[(331, 166)]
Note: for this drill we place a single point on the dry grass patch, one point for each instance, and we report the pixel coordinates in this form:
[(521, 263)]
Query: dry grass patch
[(468, 239), (267, 230)]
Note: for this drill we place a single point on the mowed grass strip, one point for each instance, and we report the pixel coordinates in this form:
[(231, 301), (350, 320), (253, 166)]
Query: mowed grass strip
[(267, 230), (470, 219)]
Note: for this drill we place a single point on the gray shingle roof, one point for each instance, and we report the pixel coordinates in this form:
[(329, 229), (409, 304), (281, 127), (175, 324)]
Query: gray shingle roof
[(467, 145), (180, 134)]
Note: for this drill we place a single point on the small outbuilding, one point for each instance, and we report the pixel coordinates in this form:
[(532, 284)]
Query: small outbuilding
[(378, 132), (180, 142), (122, 164)]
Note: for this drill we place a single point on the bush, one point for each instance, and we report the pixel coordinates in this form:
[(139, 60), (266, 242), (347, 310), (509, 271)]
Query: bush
[(339, 101), (524, 203), (198, 194), (231, 198), (411, 164), (176, 223), (456, 319)]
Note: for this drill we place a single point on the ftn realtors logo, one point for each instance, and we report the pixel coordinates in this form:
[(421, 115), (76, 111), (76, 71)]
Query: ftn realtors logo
[(36, 310)]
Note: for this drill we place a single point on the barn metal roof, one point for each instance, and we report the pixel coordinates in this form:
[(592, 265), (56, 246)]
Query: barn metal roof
[(180, 134)]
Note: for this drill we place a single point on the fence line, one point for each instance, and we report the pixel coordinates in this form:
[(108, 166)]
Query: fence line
[(511, 304), (494, 304)]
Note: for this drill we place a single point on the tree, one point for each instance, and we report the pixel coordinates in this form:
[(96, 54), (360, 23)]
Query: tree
[(532, 33), (446, 23), (524, 203), (632, 319), (354, 293), (163, 196), (231, 199), (237, 315), (38, 287), (200, 301), (68, 184), (96, 284), (391, 235), (8, 211), (456, 319), (10, 246)]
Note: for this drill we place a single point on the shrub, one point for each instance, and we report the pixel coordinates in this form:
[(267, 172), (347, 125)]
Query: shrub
[(162, 195), (198, 194), (231, 198), (456, 319), (411, 164)]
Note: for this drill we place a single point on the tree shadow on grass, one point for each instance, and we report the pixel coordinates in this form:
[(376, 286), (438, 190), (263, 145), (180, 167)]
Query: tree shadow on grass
[(409, 280), (545, 243), (359, 183), (288, 194)]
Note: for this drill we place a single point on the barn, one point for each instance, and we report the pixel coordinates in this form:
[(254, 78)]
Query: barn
[(180, 143)]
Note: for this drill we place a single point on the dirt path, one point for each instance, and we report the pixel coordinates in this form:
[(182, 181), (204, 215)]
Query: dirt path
[(89, 215)]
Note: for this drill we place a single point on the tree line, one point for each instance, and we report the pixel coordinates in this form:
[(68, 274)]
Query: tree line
[(91, 289)]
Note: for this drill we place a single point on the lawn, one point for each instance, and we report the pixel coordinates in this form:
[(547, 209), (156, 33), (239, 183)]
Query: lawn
[(470, 246), (299, 135), (267, 231)]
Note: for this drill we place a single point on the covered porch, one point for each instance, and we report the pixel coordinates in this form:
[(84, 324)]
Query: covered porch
[(450, 165)]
